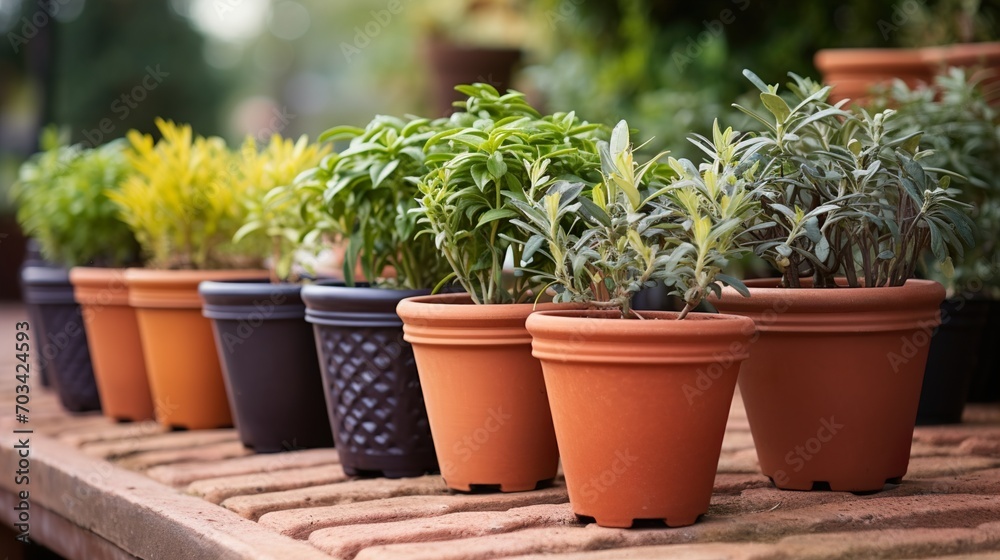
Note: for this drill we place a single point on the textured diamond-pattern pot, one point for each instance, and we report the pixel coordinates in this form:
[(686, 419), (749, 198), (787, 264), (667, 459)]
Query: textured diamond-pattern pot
[(373, 394), (63, 346), (268, 363)]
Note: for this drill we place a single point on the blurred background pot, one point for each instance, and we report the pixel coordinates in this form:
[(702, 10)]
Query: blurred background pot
[(451, 65), (63, 345), (269, 364), (181, 360), (952, 361), (113, 338)]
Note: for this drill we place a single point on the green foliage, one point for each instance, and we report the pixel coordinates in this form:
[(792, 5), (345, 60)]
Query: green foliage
[(847, 196), (961, 133), (274, 207), (498, 150), (62, 194), (183, 201), (365, 194), (638, 230)]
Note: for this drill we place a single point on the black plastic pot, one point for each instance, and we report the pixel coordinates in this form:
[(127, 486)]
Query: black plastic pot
[(373, 393), (33, 257), (268, 363), (952, 361), (986, 382), (62, 350)]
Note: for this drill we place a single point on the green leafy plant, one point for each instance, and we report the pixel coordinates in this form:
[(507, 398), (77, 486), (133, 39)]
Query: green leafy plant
[(62, 195), (183, 201), (961, 132), (498, 150), (364, 195), (845, 195), (643, 225), (275, 209)]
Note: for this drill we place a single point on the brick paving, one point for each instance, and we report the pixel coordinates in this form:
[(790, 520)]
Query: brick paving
[(200, 494)]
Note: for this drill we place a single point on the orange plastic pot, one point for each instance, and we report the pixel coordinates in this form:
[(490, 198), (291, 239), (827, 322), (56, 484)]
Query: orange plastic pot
[(182, 363), (640, 408), (832, 386), (853, 72), (113, 338), (484, 392)]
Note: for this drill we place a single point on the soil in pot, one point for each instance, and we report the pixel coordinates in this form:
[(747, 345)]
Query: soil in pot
[(985, 386), (63, 346), (269, 364), (373, 393), (952, 361), (640, 408), (113, 338), (182, 364), (486, 398), (833, 381)]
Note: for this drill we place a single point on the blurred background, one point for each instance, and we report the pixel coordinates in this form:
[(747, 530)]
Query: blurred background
[(237, 67)]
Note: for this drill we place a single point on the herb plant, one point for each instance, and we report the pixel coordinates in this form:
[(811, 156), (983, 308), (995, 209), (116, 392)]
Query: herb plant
[(62, 195), (363, 194), (846, 195), (273, 204), (497, 151), (183, 201), (639, 230), (961, 133)]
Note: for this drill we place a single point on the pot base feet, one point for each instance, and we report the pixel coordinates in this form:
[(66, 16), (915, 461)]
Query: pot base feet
[(473, 488), (826, 486), (640, 522), (386, 473)]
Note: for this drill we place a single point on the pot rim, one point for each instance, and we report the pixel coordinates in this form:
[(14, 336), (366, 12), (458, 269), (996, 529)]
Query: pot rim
[(333, 304), (177, 289), (586, 335), (246, 299), (99, 285)]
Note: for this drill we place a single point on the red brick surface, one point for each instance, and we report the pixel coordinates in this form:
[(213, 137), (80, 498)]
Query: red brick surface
[(948, 505)]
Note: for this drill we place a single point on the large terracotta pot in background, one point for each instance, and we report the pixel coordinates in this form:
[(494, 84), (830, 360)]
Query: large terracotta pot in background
[(373, 393), (640, 408), (853, 72), (62, 346), (486, 399), (269, 364), (833, 381), (982, 58), (113, 337), (952, 361), (452, 65), (181, 360)]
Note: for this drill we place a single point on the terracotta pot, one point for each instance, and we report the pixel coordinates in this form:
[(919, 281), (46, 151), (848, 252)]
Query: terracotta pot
[(485, 393), (833, 381), (113, 338), (952, 361), (640, 408), (982, 58), (853, 72), (985, 385), (62, 346), (453, 65), (269, 364), (373, 394), (181, 360)]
